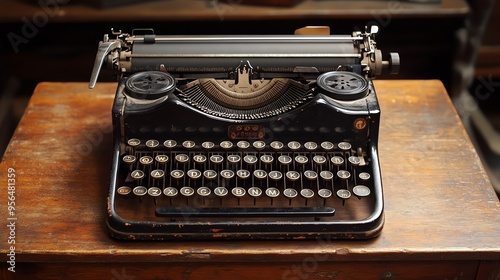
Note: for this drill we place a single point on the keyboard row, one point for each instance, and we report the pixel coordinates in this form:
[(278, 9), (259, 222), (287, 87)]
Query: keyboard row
[(241, 145), (243, 174), (248, 159), (239, 192)]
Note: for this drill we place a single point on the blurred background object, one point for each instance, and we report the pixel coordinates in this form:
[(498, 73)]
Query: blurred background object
[(476, 86)]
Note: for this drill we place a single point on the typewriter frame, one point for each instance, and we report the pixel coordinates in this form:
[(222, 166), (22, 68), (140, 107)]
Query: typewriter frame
[(344, 109), (154, 230)]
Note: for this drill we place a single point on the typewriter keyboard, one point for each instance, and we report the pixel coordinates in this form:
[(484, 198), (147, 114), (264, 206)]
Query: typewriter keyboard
[(244, 178)]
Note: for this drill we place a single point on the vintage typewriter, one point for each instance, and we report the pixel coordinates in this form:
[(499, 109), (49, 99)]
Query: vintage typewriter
[(244, 137)]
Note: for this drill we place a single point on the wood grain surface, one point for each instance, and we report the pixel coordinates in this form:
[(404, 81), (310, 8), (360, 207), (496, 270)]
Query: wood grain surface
[(200, 10), (439, 204)]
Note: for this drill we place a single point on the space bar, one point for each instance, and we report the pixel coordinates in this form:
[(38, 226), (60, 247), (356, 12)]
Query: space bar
[(244, 212)]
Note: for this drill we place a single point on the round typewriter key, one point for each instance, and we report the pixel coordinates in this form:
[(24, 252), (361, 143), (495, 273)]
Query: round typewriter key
[(259, 145), (209, 174), (227, 174), (364, 176), (293, 175), (310, 146), (152, 143), (290, 193), (343, 174), (157, 174), (188, 144), (325, 193), (170, 191), (306, 193), (343, 193), (344, 146), (146, 160), (161, 158), (194, 173), (275, 175), (182, 158), (266, 159), (124, 190), (255, 192), (203, 191), (243, 174), (361, 190), (226, 145), (129, 159), (170, 143), (238, 191), (277, 145), (233, 158), (285, 160), (243, 144), (216, 158), (186, 191), (354, 160), (250, 159), (319, 159), (272, 192), (134, 142), (310, 175), (137, 174), (177, 174), (337, 161), (200, 159), (140, 191), (301, 159), (327, 145), (154, 191), (208, 145), (293, 145), (326, 175), (221, 191), (260, 174)]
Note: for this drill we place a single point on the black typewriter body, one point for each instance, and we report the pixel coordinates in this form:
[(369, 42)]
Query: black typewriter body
[(245, 152)]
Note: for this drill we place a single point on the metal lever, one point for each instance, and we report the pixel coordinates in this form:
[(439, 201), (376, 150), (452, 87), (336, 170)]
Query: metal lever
[(102, 51)]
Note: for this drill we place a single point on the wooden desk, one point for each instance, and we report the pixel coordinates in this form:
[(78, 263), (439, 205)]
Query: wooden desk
[(202, 10), (442, 216)]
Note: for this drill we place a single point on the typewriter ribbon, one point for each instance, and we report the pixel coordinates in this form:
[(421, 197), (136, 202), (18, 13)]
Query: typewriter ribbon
[(244, 137)]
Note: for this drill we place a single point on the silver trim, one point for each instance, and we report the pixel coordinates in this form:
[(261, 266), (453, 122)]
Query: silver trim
[(248, 38), (202, 55)]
